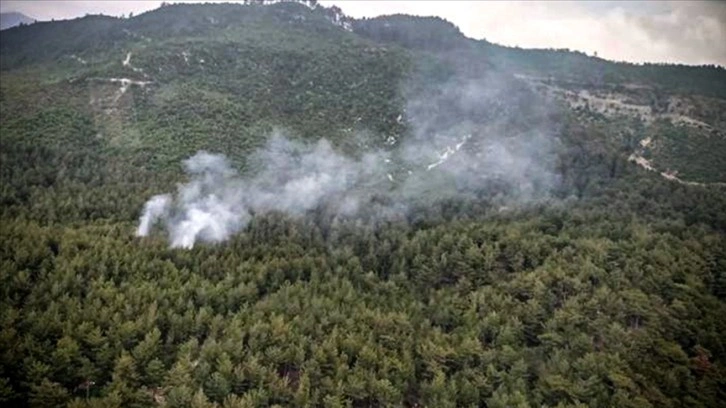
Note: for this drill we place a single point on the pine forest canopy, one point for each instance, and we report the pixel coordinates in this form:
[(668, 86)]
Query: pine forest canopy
[(273, 204)]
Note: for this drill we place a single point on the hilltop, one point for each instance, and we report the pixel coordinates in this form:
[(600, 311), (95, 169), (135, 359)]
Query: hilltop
[(12, 19)]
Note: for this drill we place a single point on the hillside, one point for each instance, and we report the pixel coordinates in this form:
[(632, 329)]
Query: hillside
[(277, 205), (677, 107)]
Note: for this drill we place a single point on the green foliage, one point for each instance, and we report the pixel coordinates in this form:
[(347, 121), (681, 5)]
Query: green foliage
[(505, 311), (610, 293), (697, 155), (436, 34), (428, 33)]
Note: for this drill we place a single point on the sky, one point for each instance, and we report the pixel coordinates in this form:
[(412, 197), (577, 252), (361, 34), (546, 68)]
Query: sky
[(688, 32)]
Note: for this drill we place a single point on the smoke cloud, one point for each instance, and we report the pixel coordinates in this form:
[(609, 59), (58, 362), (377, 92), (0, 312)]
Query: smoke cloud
[(460, 145), (293, 178), (154, 209)]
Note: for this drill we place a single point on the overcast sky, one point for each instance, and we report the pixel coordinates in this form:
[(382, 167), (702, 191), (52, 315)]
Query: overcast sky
[(691, 32)]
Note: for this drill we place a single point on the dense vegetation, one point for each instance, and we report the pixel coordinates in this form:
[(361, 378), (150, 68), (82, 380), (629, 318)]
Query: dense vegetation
[(609, 291), (565, 65)]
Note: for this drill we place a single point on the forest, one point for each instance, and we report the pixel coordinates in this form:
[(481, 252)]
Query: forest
[(537, 263)]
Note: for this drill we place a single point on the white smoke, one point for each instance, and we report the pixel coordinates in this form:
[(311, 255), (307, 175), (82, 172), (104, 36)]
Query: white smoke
[(461, 145), (295, 178), (217, 202), (154, 209)]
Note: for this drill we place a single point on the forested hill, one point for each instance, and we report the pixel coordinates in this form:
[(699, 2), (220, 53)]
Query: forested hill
[(435, 34), (277, 205)]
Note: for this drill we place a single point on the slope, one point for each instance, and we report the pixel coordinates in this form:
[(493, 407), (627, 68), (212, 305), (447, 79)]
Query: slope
[(12, 19), (676, 110), (521, 260)]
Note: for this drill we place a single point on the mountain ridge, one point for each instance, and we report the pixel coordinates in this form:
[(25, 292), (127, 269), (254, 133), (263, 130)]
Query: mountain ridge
[(12, 19), (87, 46)]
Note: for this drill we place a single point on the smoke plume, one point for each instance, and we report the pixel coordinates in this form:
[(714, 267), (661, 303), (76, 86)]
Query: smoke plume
[(155, 208), (462, 144), (292, 178)]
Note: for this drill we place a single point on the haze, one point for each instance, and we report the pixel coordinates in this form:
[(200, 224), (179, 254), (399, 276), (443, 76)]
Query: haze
[(657, 31)]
